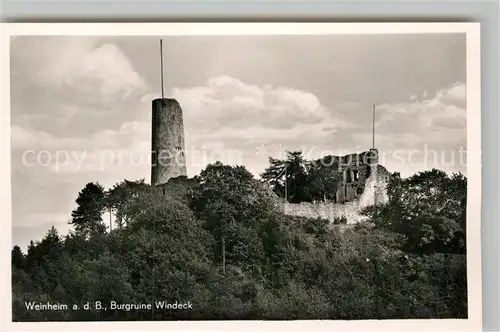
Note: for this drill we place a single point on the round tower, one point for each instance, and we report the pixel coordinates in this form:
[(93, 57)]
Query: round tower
[(168, 158)]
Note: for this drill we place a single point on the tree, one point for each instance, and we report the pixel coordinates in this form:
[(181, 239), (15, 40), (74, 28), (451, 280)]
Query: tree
[(290, 173), (51, 245), (274, 176), (322, 181), (87, 217), (49, 249), (429, 209), (296, 176), (235, 208), (17, 258), (122, 196), (226, 195)]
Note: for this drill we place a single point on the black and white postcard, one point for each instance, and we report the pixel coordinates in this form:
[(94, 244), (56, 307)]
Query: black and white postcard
[(258, 175)]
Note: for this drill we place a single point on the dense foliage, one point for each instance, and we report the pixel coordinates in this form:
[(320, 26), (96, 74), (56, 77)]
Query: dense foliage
[(300, 180), (219, 241)]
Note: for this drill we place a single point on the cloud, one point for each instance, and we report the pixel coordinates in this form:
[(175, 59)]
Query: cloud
[(226, 98), (58, 82), (25, 138), (113, 154), (454, 94), (441, 118), (412, 133), (92, 70), (226, 108)]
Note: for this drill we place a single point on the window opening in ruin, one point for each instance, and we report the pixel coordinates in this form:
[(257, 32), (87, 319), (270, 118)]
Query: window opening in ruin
[(348, 177), (355, 174), (163, 191)]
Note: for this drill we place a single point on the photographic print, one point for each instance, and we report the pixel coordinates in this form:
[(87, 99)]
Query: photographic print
[(267, 176)]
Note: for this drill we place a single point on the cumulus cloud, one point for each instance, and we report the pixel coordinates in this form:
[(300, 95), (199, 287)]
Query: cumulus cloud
[(66, 88), (226, 98), (24, 138), (226, 108), (441, 118), (454, 94), (91, 69), (423, 132), (108, 154)]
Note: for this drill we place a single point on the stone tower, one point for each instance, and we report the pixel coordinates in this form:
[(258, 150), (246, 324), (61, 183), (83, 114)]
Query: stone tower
[(168, 158)]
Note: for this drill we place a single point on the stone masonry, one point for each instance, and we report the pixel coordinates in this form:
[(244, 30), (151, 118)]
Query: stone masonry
[(168, 158)]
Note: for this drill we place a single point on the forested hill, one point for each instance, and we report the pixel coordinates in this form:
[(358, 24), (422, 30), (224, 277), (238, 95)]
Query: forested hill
[(219, 242)]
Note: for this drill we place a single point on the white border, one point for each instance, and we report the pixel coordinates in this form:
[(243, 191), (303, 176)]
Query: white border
[(472, 31)]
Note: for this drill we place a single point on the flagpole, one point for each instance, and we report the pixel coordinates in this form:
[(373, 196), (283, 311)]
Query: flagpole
[(161, 66), (286, 185), (373, 130)]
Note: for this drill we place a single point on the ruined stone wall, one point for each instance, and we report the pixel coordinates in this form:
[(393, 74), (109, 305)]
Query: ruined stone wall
[(383, 178), (355, 169), (375, 182), (168, 158), (325, 210), (376, 187)]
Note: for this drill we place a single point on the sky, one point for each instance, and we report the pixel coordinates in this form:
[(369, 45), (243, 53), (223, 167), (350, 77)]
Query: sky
[(81, 107)]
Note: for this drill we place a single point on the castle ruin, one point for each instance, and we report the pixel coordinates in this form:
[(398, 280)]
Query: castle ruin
[(364, 181)]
